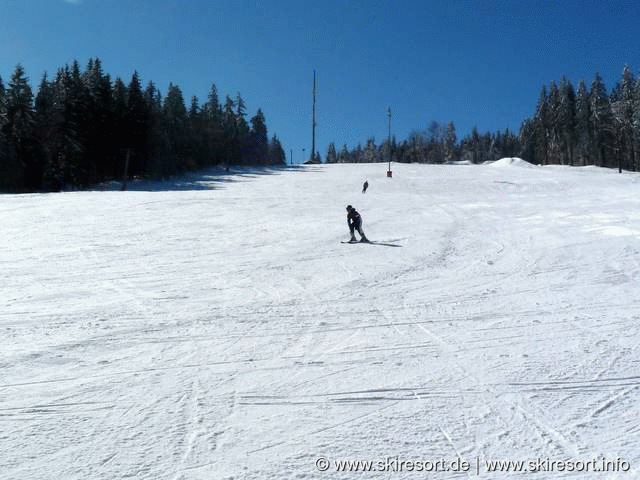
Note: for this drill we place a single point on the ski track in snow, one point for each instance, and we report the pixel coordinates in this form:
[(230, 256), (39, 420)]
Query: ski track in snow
[(209, 329)]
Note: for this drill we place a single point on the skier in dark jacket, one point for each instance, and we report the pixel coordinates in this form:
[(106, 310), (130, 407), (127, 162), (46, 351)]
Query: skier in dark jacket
[(354, 220), (365, 185)]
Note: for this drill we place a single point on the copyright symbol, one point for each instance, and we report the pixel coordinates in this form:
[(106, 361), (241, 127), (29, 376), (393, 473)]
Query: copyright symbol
[(322, 464)]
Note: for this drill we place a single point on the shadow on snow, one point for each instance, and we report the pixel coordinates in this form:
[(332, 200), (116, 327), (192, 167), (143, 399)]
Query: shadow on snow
[(209, 179)]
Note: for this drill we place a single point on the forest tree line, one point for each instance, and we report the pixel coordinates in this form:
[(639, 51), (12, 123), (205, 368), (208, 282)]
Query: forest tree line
[(82, 128), (583, 126)]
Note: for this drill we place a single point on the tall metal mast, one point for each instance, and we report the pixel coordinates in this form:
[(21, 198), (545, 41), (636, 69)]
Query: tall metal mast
[(389, 113), (313, 123), (389, 173)]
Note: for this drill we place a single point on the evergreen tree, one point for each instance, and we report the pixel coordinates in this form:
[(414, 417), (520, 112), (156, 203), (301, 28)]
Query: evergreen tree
[(475, 145), (356, 155), (370, 150), (510, 144), (157, 136), (202, 132), (527, 140), (230, 134), (121, 134), (100, 147), (601, 121), (415, 148), (345, 155), (3, 101), (566, 119), (435, 144), (212, 107), (6, 171), (212, 112), (332, 156), (175, 123), (258, 140), (136, 121), (18, 129), (450, 141), (47, 135), (242, 132), (276, 152), (623, 116), (553, 127), (78, 171), (583, 132), (636, 125), (541, 129)]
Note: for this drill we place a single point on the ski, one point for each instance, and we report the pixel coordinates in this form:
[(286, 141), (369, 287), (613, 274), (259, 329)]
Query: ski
[(373, 243)]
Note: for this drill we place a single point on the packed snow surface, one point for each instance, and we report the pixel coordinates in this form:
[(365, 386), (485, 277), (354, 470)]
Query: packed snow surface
[(215, 327)]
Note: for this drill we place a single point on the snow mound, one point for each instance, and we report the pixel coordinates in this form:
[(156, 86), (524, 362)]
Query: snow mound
[(512, 162)]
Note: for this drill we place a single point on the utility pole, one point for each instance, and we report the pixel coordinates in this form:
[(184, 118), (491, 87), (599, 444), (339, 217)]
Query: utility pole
[(313, 123), (389, 174)]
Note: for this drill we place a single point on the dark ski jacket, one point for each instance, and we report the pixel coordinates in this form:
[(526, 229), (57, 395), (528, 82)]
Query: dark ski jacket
[(354, 220)]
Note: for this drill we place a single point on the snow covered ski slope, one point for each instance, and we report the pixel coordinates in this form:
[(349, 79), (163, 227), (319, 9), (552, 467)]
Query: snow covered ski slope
[(216, 328)]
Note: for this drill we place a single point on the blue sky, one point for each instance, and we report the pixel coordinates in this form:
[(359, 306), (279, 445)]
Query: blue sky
[(474, 62)]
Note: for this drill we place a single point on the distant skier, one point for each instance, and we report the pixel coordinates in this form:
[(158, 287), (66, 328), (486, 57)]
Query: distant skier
[(354, 220), (365, 185)]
